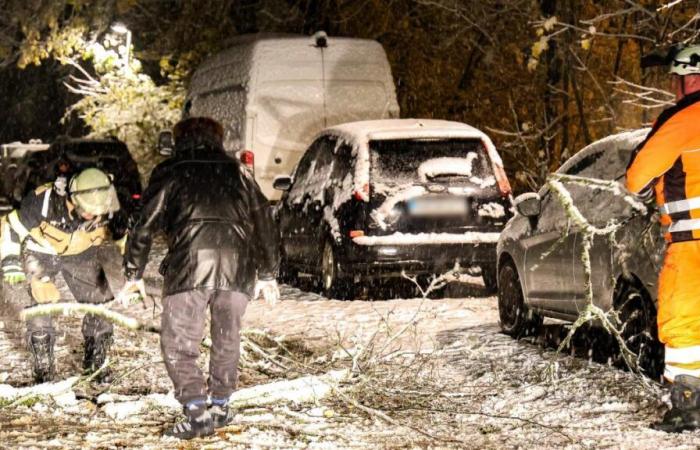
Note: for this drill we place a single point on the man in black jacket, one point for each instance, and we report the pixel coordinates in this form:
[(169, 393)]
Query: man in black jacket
[(221, 235)]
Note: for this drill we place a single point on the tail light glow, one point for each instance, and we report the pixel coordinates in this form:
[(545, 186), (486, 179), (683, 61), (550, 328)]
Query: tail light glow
[(356, 233), (502, 179), (362, 195), (248, 159)]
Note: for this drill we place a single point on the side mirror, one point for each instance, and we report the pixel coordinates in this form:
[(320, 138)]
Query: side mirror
[(528, 205), (166, 143), (282, 183)]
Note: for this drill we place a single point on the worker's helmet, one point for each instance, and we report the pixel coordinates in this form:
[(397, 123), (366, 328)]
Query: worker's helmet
[(686, 61), (92, 191)]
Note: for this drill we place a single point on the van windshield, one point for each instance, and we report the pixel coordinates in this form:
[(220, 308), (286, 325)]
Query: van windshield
[(451, 161)]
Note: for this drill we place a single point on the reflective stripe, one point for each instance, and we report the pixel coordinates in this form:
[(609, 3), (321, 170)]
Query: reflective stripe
[(685, 355), (684, 225), (12, 267), (45, 206), (671, 372), (680, 206), (17, 226), (9, 248), (33, 246)]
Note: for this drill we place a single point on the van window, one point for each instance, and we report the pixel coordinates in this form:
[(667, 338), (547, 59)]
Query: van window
[(403, 161), (227, 107)]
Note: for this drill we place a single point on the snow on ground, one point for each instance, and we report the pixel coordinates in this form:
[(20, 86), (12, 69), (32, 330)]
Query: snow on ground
[(428, 373)]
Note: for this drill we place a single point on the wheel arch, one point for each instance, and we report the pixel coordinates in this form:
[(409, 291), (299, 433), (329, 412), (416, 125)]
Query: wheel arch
[(632, 279)]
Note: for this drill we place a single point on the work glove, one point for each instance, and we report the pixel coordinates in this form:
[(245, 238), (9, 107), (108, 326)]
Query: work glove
[(133, 291), (13, 276), (12, 273), (269, 290)]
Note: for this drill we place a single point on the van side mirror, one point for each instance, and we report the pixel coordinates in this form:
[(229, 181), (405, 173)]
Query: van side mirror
[(282, 183), (528, 205), (166, 143)]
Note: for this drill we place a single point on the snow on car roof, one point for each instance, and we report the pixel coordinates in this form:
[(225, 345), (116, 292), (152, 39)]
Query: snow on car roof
[(630, 139), (359, 134), (404, 128)]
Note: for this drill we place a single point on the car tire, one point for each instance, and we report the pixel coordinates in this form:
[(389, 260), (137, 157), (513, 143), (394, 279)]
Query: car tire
[(490, 277), (517, 320), (639, 329), (332, 285)]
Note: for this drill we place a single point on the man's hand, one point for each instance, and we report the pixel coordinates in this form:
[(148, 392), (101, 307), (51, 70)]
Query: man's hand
[(269, 290), (132, 292), (13, 275)]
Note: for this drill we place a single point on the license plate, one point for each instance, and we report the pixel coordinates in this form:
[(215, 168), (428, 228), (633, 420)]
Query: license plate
[(437, 206)]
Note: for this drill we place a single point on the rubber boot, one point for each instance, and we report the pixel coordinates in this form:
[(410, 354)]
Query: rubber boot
[(685, 406), (41, 348), (220, 413), (96, 350), (198, 422)]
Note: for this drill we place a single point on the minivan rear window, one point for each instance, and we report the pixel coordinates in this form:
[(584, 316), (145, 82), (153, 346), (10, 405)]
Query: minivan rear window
[(452, 161)]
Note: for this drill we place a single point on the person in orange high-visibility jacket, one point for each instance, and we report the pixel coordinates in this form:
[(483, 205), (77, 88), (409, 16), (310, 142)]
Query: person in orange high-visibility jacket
[(668, 162)]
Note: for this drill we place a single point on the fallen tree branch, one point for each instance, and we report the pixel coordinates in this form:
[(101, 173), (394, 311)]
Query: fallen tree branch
[(86, 308)]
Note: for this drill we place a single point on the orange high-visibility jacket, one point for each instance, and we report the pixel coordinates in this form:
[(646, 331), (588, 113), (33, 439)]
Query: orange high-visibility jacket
[(669, 159)]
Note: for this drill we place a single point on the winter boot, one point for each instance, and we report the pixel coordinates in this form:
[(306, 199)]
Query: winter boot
[(41, 348), (220, 412), (685, 406), (198, 422), (96, 349)]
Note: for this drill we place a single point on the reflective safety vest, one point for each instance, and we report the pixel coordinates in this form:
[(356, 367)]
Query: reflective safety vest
[(669, 161), (46, 223)]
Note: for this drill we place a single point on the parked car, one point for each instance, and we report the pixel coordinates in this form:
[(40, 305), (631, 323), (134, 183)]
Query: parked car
[(540, 270), (11, 156), (374, 199), (274, 92), (70, 155)]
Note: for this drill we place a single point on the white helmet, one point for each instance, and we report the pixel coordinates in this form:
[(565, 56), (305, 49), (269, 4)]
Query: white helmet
[(92, 191), (686, 61)]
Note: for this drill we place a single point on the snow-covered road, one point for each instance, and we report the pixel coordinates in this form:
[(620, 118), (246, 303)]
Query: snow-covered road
[(439, 369)]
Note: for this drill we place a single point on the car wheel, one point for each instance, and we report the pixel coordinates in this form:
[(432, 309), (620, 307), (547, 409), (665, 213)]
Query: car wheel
[(517, 319), (639, 328), (489, 275), (332, 285)]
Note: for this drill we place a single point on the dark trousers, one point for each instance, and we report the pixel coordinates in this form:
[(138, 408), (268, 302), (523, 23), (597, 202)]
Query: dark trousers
[(182, 330), (85, 278)]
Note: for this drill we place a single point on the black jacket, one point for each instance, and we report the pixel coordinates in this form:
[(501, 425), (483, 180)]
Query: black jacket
[(218, 224)]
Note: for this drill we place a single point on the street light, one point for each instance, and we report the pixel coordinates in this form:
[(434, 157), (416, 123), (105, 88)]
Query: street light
[(120, 28)]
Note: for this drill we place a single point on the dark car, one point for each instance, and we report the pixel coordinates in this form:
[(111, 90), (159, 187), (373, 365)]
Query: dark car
[(376, 199), (69, 156), (540, 268), (11, 156)]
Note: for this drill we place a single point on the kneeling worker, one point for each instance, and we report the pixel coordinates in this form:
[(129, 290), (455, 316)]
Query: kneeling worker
[(57, 229)]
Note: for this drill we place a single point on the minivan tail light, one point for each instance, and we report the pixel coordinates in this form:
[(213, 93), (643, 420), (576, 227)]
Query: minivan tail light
[(503, 183), (248, 159)]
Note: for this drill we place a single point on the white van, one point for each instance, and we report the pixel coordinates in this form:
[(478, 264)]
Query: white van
[(274, 93)]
